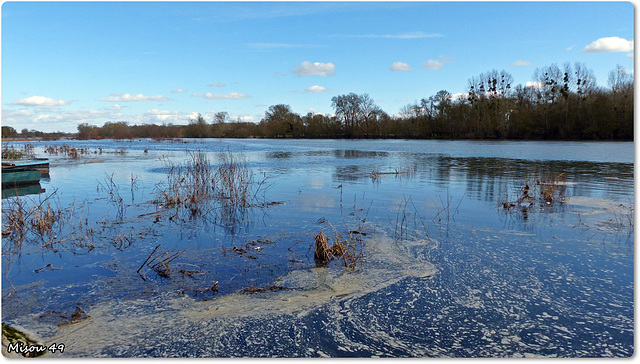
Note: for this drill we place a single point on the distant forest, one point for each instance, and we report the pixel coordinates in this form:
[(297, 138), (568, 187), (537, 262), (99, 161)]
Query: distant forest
[(562, 103)]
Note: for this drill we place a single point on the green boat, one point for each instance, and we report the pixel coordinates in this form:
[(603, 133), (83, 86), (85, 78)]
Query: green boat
[(40, 164), (19, 176)]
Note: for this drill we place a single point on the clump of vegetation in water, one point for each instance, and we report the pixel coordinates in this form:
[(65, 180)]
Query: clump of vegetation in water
[(77, 152), (197, 188), (188, 186), (36, 222), (349, 250), (44, 223), (13, 152), (67, 150), (543, 191)]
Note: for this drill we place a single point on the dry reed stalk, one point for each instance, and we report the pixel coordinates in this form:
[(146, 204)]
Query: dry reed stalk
[(322, 252)]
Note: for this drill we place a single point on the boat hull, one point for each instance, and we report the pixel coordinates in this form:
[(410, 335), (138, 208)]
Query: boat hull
[(39, 164), (20, 176)]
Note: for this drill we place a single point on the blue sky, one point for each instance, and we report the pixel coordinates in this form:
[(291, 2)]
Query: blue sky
[(69, 63)]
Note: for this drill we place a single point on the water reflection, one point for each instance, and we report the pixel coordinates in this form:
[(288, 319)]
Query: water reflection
[(494, 264), (350, 154), (351, 173), (33, 189)]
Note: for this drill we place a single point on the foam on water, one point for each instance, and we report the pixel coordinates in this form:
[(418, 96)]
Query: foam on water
[(168, 321)]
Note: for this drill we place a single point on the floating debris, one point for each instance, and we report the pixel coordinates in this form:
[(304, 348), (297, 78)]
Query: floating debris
[(252, 289)]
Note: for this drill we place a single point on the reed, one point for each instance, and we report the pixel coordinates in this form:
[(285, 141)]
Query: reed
[(113, 190), (349, 250), (223, 193), (234, 181), (13, 152), (187, 185)]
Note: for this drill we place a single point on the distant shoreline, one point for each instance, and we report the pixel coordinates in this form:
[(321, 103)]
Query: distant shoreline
[(253, 137)]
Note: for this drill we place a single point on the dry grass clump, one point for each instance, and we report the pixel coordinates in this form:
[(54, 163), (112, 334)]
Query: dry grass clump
[(13, 152), (44, 223), (544, 190), (37, 222), (350, 251), (188, 185), (77, 152), (234, 181), (223, 193), (323, 252), (67, 150)]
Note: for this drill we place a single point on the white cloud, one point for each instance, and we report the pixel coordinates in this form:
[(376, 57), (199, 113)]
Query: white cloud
[(246, 118), (65, 120), (400, 66), (534, 84), (161, 115), (10, 116), (460, 96), (39, 101), (115, 107), (433, 64), (569, 48), (157, 116), (129, 97), (316, 89), (229, 96), (315, 69), (411, 35), (608, 45), (521, 62), (178, 90), (217, 84)]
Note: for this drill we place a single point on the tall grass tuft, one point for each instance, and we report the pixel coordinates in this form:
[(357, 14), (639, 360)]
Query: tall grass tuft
[(234, 181), (222, 193)]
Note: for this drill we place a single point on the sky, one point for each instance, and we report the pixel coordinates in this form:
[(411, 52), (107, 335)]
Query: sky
[(69, 63)]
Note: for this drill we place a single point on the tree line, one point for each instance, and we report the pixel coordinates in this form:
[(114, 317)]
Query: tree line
[(561, 103)]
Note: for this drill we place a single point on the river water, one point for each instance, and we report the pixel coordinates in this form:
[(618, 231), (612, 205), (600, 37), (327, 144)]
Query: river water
[(452, 260)]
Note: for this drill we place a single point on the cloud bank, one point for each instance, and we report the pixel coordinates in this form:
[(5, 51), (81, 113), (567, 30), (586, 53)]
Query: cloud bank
[(39, 101), (129, 98)]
